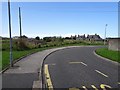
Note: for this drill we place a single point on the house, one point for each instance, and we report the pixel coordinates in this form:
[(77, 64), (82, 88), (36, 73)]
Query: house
[(94, 37), (16, 37), (81, 37)]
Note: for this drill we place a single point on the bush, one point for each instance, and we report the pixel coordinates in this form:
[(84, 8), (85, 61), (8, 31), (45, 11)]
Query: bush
[(37, 38), (21, 44)]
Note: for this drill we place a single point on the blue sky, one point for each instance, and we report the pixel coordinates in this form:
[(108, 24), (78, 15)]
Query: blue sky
[(62, 18)]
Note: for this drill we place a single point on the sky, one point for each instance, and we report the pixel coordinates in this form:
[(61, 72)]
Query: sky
[(62, 18)]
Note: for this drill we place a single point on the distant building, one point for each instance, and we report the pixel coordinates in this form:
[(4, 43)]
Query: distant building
[(94, 37), (16, 37), (81, 37), (89, 37)]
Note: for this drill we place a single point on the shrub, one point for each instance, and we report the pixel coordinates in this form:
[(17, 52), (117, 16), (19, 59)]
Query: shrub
[(21, 44)]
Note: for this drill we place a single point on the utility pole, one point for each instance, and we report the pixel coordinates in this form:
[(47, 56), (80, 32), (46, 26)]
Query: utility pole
[(105, 34), (9, 15), (20, 22)]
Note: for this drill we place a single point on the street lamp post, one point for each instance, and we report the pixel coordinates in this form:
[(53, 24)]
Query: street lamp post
[(9, 14), (20, 22), (105, 34)]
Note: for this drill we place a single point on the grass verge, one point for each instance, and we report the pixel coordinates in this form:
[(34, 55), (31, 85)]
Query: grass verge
[(112, 55), (17, 55)]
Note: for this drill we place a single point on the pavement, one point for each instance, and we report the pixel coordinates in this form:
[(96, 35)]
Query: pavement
[(80, 68), (26, 71)]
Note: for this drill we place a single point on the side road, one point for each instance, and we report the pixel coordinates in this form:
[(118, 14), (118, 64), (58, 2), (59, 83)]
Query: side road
[(26, 71)]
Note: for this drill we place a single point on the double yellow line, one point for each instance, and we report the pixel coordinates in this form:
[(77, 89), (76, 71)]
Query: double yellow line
[(47, 76)]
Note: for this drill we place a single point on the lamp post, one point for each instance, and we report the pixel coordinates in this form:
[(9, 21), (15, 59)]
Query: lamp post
[(9, 15), (20, 22), (105, 34)]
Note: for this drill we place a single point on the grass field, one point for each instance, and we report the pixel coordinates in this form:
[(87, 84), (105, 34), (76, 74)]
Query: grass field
[(113, 55)]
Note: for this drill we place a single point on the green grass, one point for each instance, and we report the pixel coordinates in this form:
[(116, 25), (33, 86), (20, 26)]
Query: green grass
[(16, 55), (113, 55)]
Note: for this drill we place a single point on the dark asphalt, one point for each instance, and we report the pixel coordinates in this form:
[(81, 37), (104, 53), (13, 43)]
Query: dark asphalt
[(79, 67), (17, 81)]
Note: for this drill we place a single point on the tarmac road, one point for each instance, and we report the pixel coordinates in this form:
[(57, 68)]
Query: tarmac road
[(79, 67), (26, 71)]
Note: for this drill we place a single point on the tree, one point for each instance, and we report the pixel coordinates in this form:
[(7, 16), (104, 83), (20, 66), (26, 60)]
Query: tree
[(67, 38), (47, 39), (37, 38), (23, 36)]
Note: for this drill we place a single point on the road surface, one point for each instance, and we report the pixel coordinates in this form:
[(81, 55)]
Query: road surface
[(79, 67)]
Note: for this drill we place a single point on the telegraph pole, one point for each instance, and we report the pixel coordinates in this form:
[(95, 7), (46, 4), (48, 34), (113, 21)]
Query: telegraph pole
[(20, 22), (105, 34), (9, 15)]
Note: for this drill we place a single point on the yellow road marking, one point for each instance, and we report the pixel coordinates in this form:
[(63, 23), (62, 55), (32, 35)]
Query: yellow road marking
[(78, 63), (103, 86), (101, 73), (49, 82), (84, 87), (94, 87), (74, 89), (74, 62)]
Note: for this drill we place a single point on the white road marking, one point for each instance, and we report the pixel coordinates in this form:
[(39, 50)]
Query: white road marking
[(118, 82), (101, 73), (78, 63), (84, 88), (94, 87), (83, 63)]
